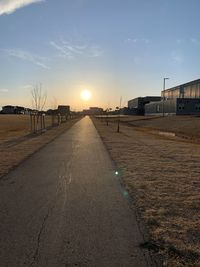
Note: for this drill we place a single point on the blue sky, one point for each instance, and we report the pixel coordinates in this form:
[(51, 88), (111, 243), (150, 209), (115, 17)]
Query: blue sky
[(112, 47)]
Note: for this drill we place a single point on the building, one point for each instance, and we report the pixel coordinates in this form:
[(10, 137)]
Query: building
[(8, 109), (19, 110), (186, 90), (13, 110), (183, 99), (51, 112), (93, 111), (96, 111), (175, 106), (63, 110), (137, 105)]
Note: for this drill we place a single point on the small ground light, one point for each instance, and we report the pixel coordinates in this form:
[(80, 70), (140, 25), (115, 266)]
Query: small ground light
[(116, 173)]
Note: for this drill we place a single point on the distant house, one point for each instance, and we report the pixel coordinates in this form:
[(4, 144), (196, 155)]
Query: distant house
[(52, 112), (19, 110), (86, 112), (27, 111), (93, 111), (15, 110), (96, 110), (63, 110), (8, 109)]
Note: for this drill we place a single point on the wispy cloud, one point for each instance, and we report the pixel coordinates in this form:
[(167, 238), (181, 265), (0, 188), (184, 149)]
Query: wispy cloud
[(27, 87), (9, 6), (26, 56), (3, 90), (188, 41), (63, 52), (137, 41), (179, 41), (70, 50), (177, 58), (195, 41)]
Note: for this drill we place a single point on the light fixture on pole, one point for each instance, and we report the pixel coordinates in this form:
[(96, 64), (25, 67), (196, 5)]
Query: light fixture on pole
[(163, 96)]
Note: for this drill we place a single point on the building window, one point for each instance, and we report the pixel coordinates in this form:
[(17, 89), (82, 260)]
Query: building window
[(197, 106), (181, 106)]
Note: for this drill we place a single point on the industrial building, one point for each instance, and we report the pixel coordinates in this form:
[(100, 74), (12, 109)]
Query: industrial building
[(137, 105), (183, 99), (186, 90)]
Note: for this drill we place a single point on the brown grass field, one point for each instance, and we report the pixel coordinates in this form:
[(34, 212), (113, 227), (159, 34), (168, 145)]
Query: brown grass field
[(183, 126), (16, 126), (16, 142), (162, 175)]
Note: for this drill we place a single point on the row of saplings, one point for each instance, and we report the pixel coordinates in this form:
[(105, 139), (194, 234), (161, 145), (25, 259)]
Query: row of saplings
[(38, 117), (38, 121)]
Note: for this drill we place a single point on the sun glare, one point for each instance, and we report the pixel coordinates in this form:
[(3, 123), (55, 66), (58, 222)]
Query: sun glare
[(86, 95)]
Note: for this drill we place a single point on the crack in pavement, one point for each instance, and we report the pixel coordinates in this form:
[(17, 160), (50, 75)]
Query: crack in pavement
[(67, 179), (36, 254)]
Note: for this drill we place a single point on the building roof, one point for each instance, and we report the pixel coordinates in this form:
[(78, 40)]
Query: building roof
[(183, 85)]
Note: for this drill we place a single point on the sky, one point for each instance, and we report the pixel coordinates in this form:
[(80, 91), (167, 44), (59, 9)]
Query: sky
[(114, 48)]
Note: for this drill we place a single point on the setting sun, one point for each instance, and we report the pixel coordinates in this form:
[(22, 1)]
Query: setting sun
[(86, 95)]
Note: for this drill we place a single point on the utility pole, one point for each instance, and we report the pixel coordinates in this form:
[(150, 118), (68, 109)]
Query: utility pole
[(120, 104), (163, 98)]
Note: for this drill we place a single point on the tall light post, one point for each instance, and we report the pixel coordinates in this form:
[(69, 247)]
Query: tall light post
[(120, 105), (164, 79)]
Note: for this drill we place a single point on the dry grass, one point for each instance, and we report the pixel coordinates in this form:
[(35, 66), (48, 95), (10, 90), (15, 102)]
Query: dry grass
[(163, 177), (187, 126), (16, 143), (16, 126)]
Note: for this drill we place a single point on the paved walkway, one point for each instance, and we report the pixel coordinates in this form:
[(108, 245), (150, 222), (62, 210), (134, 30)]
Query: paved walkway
[(64, 206)]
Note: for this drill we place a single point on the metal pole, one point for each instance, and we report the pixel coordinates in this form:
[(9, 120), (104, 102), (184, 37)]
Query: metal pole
[(163, 97), (163, 108), (119, 114), (107, 117)]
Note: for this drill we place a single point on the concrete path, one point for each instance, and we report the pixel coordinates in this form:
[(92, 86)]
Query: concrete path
[(64, 206)]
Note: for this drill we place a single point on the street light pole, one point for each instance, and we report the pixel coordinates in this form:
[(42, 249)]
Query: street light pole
[(120, 104), (164, 79)]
